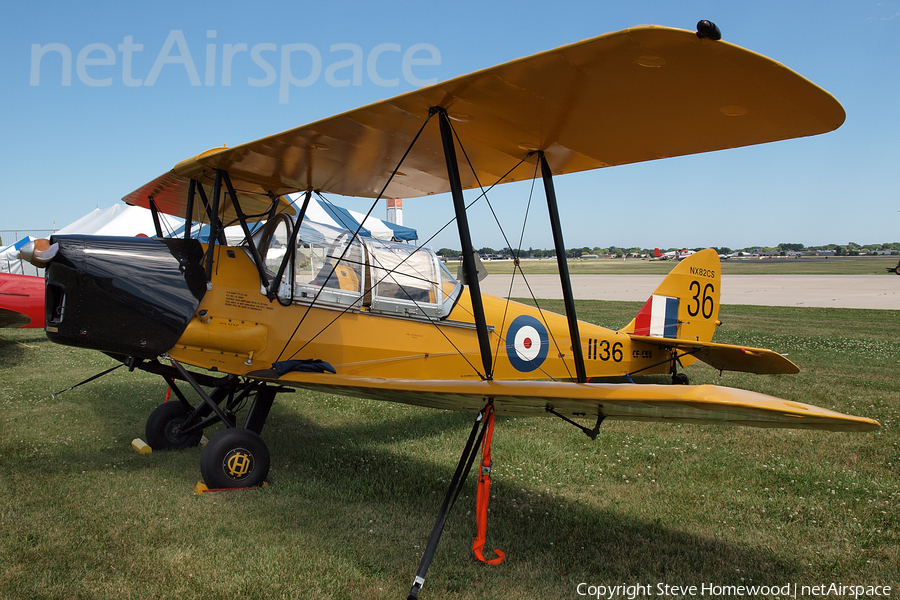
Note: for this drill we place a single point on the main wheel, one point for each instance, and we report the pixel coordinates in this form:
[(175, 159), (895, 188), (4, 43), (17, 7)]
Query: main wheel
[(163, 430), (234, 458)]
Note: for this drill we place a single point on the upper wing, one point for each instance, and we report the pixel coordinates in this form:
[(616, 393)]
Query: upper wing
[(727, 357), (169, 193), (630, 96), (677, 403)]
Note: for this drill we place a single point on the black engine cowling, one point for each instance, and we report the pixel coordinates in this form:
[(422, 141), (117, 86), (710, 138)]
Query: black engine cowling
[(131, 296)]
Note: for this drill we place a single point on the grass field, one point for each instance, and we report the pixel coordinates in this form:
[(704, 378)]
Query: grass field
[(355, 486), (867, 265)]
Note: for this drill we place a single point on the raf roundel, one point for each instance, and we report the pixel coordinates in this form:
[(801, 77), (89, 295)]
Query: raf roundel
[(526, 343)]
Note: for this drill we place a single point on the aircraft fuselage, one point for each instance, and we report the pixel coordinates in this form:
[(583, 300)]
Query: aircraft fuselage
[(242, 332), (142, 297)]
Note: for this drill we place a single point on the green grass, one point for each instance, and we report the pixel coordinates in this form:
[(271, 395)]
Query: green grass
[(355, 486), (866, 265)]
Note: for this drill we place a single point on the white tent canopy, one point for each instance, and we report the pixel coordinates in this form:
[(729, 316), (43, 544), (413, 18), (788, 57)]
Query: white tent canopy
[(10, 261), (343, 218), (324, 213), (129, 221), (120, 219)]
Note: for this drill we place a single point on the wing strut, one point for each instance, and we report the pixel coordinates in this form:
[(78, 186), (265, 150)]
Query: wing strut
[(591, 433), (189, 213), (207, 208), (214, 225), (568, 296), (456, 484), (257, 260), (470, 271), (154, 212)]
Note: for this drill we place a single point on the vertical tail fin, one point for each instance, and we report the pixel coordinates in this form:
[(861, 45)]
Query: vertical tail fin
[(686, 303)]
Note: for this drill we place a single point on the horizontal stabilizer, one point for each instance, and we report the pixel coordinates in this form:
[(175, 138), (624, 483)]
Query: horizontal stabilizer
[(726, 357)]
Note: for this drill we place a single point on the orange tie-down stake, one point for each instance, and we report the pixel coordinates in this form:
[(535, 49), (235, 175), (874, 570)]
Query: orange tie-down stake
[(484, 494)]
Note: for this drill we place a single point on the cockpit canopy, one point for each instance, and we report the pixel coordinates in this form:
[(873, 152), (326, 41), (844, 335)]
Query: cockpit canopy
[(332, 268)]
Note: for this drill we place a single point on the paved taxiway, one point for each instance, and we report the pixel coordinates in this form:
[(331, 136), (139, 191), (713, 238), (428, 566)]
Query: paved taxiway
[(839, 291)]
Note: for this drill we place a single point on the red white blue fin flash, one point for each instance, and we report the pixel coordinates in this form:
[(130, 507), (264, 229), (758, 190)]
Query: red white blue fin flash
[(658, 317)]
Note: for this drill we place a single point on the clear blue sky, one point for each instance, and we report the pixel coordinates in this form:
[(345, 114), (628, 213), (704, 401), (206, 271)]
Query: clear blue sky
[(70, 148)]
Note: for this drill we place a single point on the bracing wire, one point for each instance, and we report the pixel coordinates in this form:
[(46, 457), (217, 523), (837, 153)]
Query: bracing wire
[(389, 273), (508, 245), (355, 235)]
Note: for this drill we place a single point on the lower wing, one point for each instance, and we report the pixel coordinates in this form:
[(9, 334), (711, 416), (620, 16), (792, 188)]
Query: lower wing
[(636, 402)]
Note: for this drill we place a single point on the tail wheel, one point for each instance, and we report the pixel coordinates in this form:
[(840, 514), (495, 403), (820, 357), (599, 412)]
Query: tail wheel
[(235, 458), (163, 430), (679, 379)]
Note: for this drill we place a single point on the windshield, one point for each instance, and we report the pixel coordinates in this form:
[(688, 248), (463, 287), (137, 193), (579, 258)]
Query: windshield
[(333, 268)]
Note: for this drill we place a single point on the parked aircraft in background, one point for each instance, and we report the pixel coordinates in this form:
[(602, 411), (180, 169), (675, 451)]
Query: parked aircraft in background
[(671, 255), (21, 301)]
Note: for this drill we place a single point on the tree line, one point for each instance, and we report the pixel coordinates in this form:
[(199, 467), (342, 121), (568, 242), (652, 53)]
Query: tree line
[(849, 249)]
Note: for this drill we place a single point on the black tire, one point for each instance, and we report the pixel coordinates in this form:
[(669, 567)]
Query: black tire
[(163, 428), (679, 379), (234, 458)]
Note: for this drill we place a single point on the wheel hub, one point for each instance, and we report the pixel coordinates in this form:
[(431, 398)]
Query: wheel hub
[(238, 464)]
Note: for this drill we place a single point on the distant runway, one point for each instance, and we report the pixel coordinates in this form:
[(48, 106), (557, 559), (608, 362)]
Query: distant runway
[(838, 291)]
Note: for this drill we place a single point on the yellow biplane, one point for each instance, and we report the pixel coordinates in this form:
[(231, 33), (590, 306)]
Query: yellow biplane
[(302, 305)]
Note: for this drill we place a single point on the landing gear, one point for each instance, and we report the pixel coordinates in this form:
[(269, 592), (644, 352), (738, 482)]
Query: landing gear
[(164, 428), (673, 361), (235, 458), (679, 379)]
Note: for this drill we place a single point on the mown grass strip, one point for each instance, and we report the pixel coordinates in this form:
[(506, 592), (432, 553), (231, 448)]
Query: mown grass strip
[(355, 486)]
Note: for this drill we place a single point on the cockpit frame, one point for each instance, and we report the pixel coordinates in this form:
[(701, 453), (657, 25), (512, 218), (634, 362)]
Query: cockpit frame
[(333, 268)]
